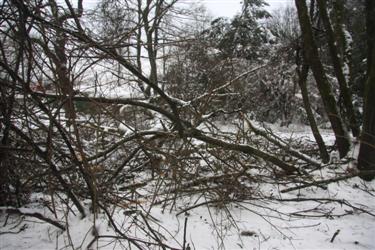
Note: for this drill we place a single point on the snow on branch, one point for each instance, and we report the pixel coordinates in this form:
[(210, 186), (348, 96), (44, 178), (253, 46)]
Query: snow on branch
[(227, 84)]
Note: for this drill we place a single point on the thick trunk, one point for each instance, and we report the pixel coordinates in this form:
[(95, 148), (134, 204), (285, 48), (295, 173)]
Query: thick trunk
[(311, 55), (366, 157), (310, 116), (343, 38), (64, 84), (337, 65), (370, 29), (150, 46), (66, 89), (337, 17)]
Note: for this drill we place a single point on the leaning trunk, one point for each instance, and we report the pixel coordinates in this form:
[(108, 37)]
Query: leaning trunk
[(311, 55), (303, 73)]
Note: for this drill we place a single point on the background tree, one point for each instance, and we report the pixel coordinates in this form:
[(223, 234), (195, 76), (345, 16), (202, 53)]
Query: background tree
[(103, 158), (311, 56), (338, 64), (284, 27), (243, 36), (366, 157)]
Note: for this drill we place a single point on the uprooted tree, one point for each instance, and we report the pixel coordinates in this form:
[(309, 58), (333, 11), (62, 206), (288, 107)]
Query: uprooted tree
[(65, 132)]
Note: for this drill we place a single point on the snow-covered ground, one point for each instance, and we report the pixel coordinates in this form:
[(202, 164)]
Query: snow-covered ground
[(339, 215), (243, 225)]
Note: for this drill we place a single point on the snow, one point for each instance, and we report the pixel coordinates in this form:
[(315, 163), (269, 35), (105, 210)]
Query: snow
[(178, 101), (111, 91), (210, 227), (299, 96), (268, 223), (125, 129)]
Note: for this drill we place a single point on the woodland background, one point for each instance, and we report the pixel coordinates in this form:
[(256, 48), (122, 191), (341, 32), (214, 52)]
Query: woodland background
[(142, 104)]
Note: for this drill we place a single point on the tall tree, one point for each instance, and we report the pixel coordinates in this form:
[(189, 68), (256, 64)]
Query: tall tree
[(311, 55), (366, 157), (302, 82), (243, 36), (152, 15), (338, 68)]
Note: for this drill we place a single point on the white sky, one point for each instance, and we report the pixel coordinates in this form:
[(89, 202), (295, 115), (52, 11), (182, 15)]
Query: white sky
[(229, 8)]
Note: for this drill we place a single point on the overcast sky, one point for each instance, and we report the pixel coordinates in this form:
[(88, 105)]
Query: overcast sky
[(229, 8), (217, 8)]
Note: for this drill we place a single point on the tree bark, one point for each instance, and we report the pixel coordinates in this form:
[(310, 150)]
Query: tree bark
[(303, 73), (61, 62), (366, 157), (343, 41), (370, 30), (311, 55), (150, 44), (139, 46), (337, 65)]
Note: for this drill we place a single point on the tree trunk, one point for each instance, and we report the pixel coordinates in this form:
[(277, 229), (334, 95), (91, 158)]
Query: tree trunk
[(337, 65), (311, 55), (370, 27), (337, 17), (366, 157), (342, 37), (61, 63), (150, 45), (139, 47), (303, 73)]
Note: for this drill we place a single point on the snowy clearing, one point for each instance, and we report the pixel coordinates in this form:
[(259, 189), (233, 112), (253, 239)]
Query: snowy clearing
[(338, 215)]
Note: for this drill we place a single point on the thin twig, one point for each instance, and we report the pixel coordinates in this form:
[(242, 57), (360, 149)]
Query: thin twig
[(316, 183), (156, 237), (335, 235), (185, 226)]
